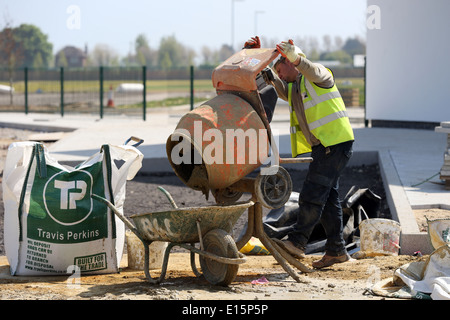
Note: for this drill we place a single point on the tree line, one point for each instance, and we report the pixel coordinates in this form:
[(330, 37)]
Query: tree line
[(27, 46)]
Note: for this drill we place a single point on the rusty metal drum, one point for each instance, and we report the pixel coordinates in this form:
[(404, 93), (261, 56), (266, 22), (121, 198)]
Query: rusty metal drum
[(218, 143)]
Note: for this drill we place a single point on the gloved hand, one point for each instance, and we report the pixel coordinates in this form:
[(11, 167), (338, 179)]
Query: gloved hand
[(253, 43), (288, 50)]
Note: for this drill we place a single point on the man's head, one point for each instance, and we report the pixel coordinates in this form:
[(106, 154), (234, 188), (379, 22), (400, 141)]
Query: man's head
[(286, 70)]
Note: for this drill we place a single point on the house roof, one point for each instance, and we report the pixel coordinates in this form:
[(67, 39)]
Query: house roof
[(73, 51)]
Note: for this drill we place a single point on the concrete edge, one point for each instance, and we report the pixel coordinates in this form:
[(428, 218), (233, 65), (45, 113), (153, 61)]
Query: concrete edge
[(37, 127)]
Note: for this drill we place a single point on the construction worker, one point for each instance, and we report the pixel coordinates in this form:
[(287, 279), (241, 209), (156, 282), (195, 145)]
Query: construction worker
[(319, 124)]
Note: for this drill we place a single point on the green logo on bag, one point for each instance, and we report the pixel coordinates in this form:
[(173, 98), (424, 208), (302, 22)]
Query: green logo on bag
[(61, 208), (67, 197)]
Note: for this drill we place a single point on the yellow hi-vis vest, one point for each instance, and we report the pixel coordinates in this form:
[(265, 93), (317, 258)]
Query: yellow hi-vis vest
[(326, 117)]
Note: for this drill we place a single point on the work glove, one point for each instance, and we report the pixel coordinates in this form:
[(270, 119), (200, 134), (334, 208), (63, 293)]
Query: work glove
[(253, 43), (288, 50)]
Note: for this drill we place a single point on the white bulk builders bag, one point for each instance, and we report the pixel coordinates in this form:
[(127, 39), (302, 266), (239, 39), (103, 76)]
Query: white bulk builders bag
[(52, 225)]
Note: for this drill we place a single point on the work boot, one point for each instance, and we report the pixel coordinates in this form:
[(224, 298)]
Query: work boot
[(328, 260), (291, 248)]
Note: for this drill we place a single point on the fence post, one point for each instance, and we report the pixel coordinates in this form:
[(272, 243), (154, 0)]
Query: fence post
[(144, 101), (26, 88), (192, 87), (61, 80), (366, 122), (101, 92)]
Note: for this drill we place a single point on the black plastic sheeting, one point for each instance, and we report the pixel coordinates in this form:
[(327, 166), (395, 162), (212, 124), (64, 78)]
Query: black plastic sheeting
[(359, 204)]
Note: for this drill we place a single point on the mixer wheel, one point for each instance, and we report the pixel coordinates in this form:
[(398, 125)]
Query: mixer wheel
[(226, 196), (273, 190), (220, 243)]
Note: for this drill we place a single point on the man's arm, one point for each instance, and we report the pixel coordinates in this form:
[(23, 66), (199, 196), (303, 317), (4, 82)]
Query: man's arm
[(280, 86), (315, 72)]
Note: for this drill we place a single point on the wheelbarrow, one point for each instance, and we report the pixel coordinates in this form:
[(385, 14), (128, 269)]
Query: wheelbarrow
[(209, 226)]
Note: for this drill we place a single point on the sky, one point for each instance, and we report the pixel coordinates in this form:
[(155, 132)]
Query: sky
[(194, 23)]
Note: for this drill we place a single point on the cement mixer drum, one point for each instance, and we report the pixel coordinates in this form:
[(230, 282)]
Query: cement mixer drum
[(218, 143)]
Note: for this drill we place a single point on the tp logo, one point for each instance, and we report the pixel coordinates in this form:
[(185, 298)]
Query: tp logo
[(72, 196), (67, 197)]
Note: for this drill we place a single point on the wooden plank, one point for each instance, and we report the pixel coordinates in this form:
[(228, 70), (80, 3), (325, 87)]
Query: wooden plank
[(46, 137)]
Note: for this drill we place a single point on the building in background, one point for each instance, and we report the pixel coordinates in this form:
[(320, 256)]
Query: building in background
[(408, 70), (71, 57)]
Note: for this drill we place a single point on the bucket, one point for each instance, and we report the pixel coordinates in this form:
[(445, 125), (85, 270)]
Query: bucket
[(136, 252), (218, 143), (380, 237)]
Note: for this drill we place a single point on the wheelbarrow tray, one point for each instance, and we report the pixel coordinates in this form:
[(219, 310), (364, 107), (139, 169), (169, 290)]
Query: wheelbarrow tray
[(180, 225)]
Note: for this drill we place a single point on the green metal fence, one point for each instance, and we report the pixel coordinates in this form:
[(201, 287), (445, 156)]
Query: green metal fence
[(131, 91), (103, 90)]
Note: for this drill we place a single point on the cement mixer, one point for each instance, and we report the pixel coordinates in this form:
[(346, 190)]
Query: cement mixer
[(216, 145)]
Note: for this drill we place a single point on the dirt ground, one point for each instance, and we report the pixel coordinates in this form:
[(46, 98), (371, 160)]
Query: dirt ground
[(433, 213), (347, 281)]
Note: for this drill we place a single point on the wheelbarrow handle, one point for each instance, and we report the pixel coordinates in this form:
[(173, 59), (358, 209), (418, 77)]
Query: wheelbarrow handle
[(135, 139), (295, 160), (118, 214), (169, 197)]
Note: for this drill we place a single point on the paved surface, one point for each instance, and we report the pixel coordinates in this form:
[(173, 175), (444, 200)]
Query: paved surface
[(407, 157)]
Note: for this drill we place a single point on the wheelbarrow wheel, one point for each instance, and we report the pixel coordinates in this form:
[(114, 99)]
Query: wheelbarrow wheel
[(220, 243), (274, 188)]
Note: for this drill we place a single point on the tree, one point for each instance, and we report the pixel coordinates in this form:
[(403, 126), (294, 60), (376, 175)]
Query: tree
[(34, 43), (327, 43), (10, 50), (104, 55), (166, 62), (354, 46), (141, 42), (208, 56), (313, 55), (173, 54), (225, 52), (145, 56), (10, 53), (313, 44), (189, 56), (170, 53), (338, 42), (339, 55), (37, 61), (62, 60)]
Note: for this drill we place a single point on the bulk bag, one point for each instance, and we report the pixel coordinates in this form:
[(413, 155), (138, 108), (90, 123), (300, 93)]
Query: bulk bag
[(51, 223)]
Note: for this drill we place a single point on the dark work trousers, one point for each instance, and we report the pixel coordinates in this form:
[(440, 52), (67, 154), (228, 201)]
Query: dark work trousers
[(319, 198)]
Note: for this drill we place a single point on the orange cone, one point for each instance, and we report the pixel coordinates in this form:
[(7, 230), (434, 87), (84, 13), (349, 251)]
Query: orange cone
[(110, 98)]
